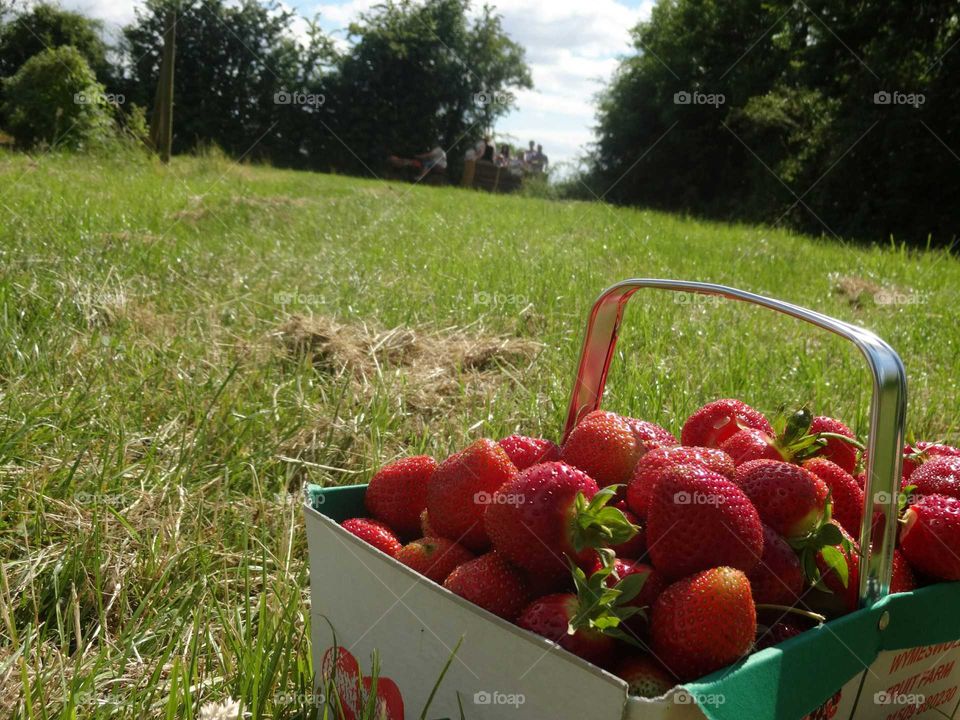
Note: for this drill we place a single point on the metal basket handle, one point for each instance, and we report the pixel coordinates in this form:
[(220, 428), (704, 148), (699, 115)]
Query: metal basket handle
[(887, 406)]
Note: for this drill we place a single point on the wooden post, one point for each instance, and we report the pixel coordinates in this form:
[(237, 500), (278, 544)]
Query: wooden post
[(161, 126)]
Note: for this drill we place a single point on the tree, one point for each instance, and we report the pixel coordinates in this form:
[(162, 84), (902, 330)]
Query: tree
[(46, 27), (237, 68), (54, 99), (420, 75), (798, 137)]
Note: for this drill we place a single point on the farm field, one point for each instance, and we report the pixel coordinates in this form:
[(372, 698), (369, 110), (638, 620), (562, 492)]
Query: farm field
[(183, 347)]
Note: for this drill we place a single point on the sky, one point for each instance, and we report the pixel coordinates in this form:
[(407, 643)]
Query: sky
[(572, 48)]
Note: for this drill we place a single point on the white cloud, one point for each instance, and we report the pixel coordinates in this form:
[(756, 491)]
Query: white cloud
[(114, 13)]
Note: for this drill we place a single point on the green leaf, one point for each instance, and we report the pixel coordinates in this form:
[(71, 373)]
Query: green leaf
[(837, 562), (631, 586)]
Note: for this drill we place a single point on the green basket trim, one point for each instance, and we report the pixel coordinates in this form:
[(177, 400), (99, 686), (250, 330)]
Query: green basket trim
[(337, 503)]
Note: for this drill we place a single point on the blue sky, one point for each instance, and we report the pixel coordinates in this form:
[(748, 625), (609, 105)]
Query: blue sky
[(572, 48)]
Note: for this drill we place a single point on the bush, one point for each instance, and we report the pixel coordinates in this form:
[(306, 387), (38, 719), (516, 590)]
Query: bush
[(55, 100)]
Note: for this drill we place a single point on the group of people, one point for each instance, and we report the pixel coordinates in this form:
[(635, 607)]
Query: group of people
[(532, 160)]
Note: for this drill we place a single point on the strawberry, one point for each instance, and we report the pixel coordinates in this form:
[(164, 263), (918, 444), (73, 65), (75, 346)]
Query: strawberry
[(749, 444), (636, 546), (434, 558), (770, 635), (461, 489), (845, 494), (698, 520), (930, 536), (375, 533), (716, 421), (916, 454), (650, 466), (902, 579), (835, 450), (703, 622), (397, 493), (492, 583), (586, 623), (526, 451), (603, 446), (645, 677), (550, 616), (551, 512), (789, 499), (778, 578), (940, 475), (650, 435)]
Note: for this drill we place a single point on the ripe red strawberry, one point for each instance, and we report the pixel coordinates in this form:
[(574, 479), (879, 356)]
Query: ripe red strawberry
[(375, 533), (492, 583), (434, 558), (649, 467), (650, 435), (778, 578), (919, 452), (397, 494), (836, 451), (845, 494), (549, 513), (603, 446), (789, 499), (645, 677), (703, 622), (699, 520), (770, 635), (749, 444), (461, 489), (716, 421), (902, 579), (940, 475), (526, 451), (635, 547), (930, 537), (550, 616), (587, 622)]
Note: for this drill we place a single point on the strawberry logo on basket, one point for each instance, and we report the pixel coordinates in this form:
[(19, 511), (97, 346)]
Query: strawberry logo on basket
[(341, 673)]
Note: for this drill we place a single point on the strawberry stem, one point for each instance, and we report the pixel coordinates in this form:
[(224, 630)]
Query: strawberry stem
[(849, 440), (795, 610)]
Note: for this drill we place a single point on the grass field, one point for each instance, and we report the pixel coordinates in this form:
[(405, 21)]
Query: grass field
[(183, 347)]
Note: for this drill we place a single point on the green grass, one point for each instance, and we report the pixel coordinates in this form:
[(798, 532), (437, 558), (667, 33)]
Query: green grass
[(153, 423)]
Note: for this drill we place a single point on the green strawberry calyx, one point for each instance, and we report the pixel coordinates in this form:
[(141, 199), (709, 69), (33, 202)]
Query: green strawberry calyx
[(793, 439), (602, 607), (827, 542), (596, 525)]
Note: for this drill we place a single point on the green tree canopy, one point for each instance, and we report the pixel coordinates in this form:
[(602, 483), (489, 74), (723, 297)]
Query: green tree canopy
[(837, 119), (420, 75), (236, 64), (45, 27), (54, 99)]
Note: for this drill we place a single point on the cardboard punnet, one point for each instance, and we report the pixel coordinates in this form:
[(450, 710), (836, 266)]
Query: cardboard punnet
[(373, 602)]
